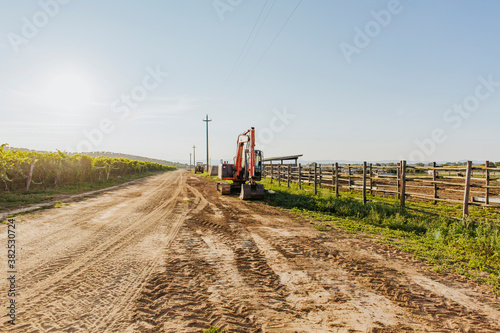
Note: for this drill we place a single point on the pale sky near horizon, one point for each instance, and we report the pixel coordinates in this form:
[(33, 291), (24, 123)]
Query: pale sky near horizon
[(333, 80)]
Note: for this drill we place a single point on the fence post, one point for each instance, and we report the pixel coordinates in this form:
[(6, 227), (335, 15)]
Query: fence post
[(349, 176), (487, 194), (288, 176), (364, 183), (467, 190), (333, 176), (315, 178), (434, 179), (279, 174), (336, 179), (403, 184), (320, 180), (300, 176), (371, 179), (398, 182)]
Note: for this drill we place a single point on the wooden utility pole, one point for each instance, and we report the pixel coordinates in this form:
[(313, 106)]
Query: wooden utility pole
[(206, 120), (194, 156)]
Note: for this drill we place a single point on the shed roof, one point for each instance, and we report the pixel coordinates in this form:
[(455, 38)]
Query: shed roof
[(283, 158)]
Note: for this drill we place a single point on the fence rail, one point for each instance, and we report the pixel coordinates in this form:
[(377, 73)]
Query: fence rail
[(466, 185)]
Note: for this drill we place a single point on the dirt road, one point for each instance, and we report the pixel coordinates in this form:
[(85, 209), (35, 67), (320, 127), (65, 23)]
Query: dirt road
[(170, 255)]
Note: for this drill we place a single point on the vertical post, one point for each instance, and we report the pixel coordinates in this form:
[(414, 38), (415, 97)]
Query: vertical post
[(288, 176), (279, 174), (272, 171), (194, 157), (206, 120), (434, 179), (467, 190), (30, 175), (333, 175), (349, 176), (371, 179), (364, 183), (403, 184), (315, 178), (398, 182), (300, 176), (336, 179), (487, 194), (320, 176)]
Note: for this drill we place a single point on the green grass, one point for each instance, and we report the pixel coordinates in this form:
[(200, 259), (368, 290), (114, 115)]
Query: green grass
[(214, 329), (471, 249), (18, 199)]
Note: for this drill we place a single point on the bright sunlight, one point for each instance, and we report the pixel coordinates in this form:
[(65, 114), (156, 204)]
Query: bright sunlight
[(68, 90)]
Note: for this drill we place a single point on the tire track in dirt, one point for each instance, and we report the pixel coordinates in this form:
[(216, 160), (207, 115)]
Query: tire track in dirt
[(87, 288), (177, 257)]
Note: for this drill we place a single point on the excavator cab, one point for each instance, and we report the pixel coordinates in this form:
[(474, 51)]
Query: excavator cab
[(246, 170), (258, 165)]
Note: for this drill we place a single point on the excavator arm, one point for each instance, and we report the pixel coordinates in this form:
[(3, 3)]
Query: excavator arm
[(244, 168)]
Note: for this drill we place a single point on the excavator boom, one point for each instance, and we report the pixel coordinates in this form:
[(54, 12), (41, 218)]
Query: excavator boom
[(247, 167)]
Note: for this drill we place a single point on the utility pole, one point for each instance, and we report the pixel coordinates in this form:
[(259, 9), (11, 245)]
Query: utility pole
[(206, 120), (194, 156), (190, 160)]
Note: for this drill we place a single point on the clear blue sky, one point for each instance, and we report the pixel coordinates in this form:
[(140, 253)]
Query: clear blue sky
[(65, 77)]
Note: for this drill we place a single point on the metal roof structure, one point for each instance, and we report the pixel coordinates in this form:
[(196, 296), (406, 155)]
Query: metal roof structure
[(283, 158)]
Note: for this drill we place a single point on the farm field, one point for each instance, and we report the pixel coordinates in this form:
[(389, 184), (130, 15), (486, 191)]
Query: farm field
[(168, 254)]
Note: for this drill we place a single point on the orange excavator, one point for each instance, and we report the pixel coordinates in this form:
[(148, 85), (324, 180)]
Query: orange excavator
[(246, 170)]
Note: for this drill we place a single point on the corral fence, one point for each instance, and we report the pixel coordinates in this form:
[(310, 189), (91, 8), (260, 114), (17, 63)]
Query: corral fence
[(467, 185)]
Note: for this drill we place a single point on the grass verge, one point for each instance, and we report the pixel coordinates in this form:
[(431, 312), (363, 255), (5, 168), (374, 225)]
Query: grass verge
[(214, 329), (471, 249), (13, 200)]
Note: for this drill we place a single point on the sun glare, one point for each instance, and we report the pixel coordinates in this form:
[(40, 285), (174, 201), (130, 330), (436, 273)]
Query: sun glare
[(67, 91)]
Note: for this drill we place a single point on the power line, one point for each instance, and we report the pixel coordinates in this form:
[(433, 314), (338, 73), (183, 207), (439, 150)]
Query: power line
[(246, 42), (260, 28), (271, 44)]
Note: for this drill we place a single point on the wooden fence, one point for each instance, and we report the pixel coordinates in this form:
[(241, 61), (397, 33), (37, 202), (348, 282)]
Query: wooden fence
[(466, 185)]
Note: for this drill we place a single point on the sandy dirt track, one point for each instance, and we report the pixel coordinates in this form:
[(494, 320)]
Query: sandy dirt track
[(170, 255)]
